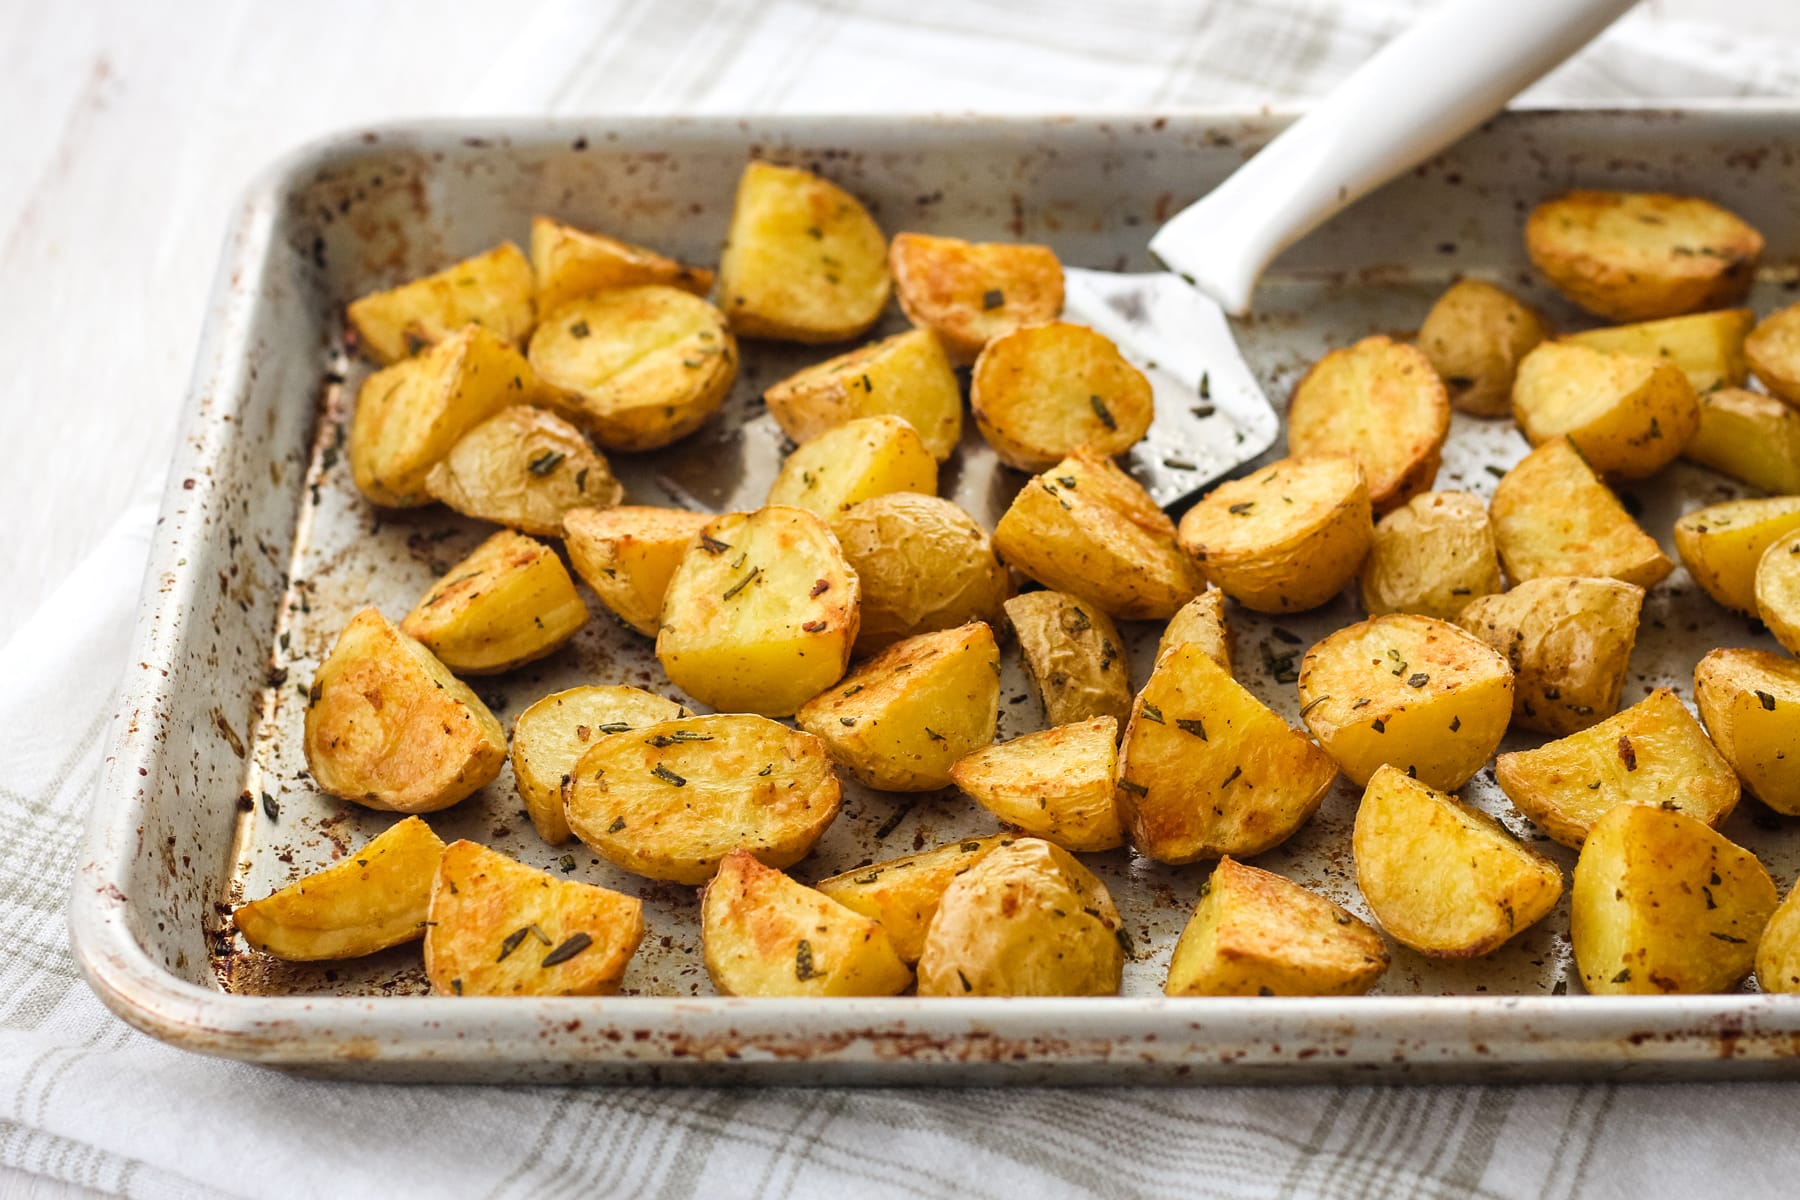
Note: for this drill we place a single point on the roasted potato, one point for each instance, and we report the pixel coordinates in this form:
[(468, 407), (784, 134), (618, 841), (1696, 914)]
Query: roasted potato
[(1444, 878), (924, 565), (1086, 527), (760, 614), (1628, 416), (1568, 641), (569, 263), (1074, 654), (374, 899), (1778, 950), (1431, 556), (1202, 622), (1411, 691), (1707, 347), (1636, 256), (669, 800), (501, 928), (900, 720), (1041, 392), (628, 554), (1750, 702), (1750, 437), (1254, 933), (1553, 516), (1056, 784), (509, 603), (1773, 351), (1206, 769), (1475, 336), (1778, 591), (856, 461), (389, 727), (636, 367), (903, 893), (762, 934), (1027, 920), (1652, 753), (492, 290), (1382, 403), (1661, 904), (1285, 538), (524, 468), (970, 293), (551, 736), (803, 261), (1722, 544), (904, 376)]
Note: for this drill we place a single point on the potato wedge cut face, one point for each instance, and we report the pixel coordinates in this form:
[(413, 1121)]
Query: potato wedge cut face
[(905, 376), (1707, 347), (569, 263), (1475, 335), (1202, 622), (1041, 392), (856, 461), (492, 290), (550, 737), (628, 554), (903, 893), (1773, 351), (924, 564), (1056, 784), (1750, 702), (1553, 516), (1777, 588), (1750, 437), (1722, 545), (1073, 652), (970, 293), (1628, 415), (508, 603), (1778, 950), (1431, 556), (524, 468), (670, 800), (1382, 403)]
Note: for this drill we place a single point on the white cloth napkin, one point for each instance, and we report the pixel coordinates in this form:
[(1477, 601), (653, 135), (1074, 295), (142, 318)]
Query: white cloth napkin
[(86, 1100)]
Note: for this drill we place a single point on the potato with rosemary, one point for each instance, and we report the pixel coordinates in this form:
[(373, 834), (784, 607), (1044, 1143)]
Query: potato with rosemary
[(1202, 622), (856, 461), (1750, 437), (760, 614), (1475, 335), (1707, 347), (1431, 556), (1629, 416), (1778, 591), (523, 468), (628, 554), (1553, 516), (1041, 392), (568, 263), (550, 737), (508, 603), (1778, 950), (389, 727), (669, 800), (1722, 544), (1382, 403), (970, 293), (1750, 702), (924, 565), (492, 290), (903, 893), (376, 898), (1773, 349), (1073, 653), (1056, 784), (905, 376)]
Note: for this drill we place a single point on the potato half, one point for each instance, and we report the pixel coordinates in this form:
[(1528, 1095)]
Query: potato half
[(492, 290), (924, 565), (1721, 545), (1382, 403), (1202, 622), (1778, 950), (1773, 349), (903, 893), (1750, 437), (1074, 654), (1056, 784), (508, 603), (551, 736), (1553, 516), (569, 263), (628, 554), (1431, 556), (1707, 347), (1041, 392), (1750, 702), (856, 461), (1628, 416), (524, 468), (1475, 336), (970, 293), (905, 376)]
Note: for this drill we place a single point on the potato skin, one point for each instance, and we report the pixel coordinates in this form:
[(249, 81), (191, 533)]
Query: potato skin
[(1707, 347), (628, 554), (970, 293), (1055, 784), (508, 603), (1041, 392), (1475, 335), (492, 290), (903, 893), (1722, 545), (1778, 950), (1202, 622), (524, 468), (906, 376), (551, 736), (1074, 654), (1773, 351), (1750, 437), (856, 461), (1750, 703), (1628, 416), (924, 565), (1553, 516), (569, 263), (1431, 556), (1381, 402)]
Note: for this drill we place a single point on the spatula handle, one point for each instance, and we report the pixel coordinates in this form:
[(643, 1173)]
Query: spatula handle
[(1422, 91)]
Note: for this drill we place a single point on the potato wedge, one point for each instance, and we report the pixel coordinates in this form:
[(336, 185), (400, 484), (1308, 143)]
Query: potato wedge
[(1382, 403), (856, 461), (1041, 392), (376, 898), (1206, 769), (1652, 753), (501, 928), (568, 263), (636, 367), (1553, 516), (970, 293), (1074, 654), (1773, 350), (1750, 437), (1444, 878), (1750, 702), (1254, 933), (1721, 545), (1202, 622), (1431, 556), (1027, 920), (905, 376), (508, 603), (492, 290), (1628, 416), (669, 800), (523, 468), (924, 565), (1777, 586), (1663, 904), (389, 727), (551, 736), (1708, 347), (804, 261), (760, 614), (1637, 256), (901, 720), (628, 554), (763, 934), (1778, 950), (1475, 336), (1056, 784), (1286, 538), (903, 893)]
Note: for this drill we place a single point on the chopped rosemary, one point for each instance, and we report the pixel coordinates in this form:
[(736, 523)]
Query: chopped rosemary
[(993, 298), (803, 962), (1418, 679), (1242, 508), (512, 942), (1152, 713), (933, 734), (667, 776), (1136, 789), (579, 329), (1101, 411), (573, 945), (614, 727), (1191, 725), (713, 545), (743, 583), (618, 824), (546, 462)]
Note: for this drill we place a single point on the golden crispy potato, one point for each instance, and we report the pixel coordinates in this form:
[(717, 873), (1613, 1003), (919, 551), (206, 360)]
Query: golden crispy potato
[(856, 461), (1568, 641), (763, 934), (508, 603), (1382, 403), (409, 415), (1652, 753), (492, 290), (1056, 784), (970, 293), (551, 736), (924, 565), (1777, 586), (1773, 350), (1431, 556), (636, 367), (523, 467), (903, 893), (1086, 527), (1662, 904), (1748, 436), (500, 928), (1285, 538), (1475, 336), (1412, 691), (628, 554), (1206, 769), (1778, 950), (388, 725), (1628, 416), (1707, 347), (1074, 654), (760, 614), (904, 376), (1444, 878), (667, 801), (374, 899), (1202, 622), (899, 721), (803, 261), (1553, 516), (569, 263), (1027, 920), (1750, 702), (1636, 256), (1041, 392), (1722, 544), (1254, 933)]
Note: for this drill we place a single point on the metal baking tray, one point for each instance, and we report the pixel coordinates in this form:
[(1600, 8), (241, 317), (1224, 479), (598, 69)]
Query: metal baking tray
[(264, 549)]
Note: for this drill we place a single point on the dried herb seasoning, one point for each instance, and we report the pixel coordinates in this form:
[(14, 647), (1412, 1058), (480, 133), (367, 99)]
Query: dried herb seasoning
[(803, 962), (545, 463), (667, 776), (574, 944)]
